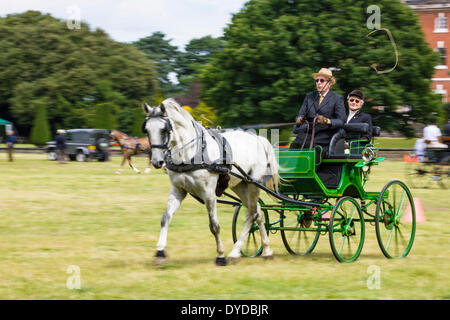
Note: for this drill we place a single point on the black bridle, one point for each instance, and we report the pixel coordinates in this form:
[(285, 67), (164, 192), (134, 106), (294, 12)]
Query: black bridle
[(167, 129)]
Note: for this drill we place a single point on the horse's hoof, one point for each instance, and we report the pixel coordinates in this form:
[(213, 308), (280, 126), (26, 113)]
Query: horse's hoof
[(160, 257), (147, 170), (117, 172), (268, 257), (221, 261), (234, 260), (159, 261)]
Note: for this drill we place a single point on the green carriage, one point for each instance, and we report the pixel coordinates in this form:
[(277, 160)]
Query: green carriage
[(328, 196)]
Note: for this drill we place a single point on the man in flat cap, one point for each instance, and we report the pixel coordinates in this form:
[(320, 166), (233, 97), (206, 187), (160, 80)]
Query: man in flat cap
[(355, 102), (324, 105)]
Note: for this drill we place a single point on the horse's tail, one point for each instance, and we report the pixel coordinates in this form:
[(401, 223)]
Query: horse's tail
[(272, 178)]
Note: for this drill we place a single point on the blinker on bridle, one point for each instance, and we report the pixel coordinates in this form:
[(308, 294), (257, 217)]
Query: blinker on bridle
[(167, 128)]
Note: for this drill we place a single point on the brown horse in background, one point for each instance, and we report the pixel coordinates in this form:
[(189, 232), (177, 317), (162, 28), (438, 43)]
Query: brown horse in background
[(131, 146)]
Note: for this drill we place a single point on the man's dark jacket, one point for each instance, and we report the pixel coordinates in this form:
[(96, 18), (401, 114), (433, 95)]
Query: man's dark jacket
[(60, 142), (360, 117), (447, 129), (332, 107)]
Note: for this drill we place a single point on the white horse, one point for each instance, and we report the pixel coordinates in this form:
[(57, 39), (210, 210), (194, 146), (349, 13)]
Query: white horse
[(176, 139)]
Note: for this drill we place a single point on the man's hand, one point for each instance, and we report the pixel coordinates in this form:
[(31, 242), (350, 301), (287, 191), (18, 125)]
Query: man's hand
[(299, 121), (322, 120)]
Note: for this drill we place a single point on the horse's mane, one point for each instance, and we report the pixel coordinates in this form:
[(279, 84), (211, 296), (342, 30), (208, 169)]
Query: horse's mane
[(120, 132), (172, 105), (126, 135)]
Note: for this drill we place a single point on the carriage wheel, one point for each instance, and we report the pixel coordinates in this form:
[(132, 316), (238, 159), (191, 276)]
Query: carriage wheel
[(442, 173), (52, 156), (427, 175), (395, 220), (346, 230), (298, 242), (252, 245), (417, 175)]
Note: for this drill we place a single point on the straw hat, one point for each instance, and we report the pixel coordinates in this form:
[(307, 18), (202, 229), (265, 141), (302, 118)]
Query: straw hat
[(325, 73)]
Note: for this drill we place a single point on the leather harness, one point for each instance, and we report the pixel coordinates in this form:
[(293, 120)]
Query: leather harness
[(200, 160)]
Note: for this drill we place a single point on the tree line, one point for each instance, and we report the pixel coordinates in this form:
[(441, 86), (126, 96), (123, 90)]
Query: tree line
[(82, 78), (258, 72)]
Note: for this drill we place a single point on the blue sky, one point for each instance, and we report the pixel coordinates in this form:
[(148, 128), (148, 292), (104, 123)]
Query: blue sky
[(129, 20)]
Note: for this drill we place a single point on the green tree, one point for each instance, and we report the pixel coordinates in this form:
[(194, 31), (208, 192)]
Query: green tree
[(159, 49), (138, 119), (105, 116), (40, 132), (69, 70), (272, 47), (197, 54)]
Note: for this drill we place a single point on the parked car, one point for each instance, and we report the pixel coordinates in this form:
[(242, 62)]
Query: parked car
[(83, 145)]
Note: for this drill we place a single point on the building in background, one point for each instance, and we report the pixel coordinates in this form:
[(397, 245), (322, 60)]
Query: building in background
[(434, 16)]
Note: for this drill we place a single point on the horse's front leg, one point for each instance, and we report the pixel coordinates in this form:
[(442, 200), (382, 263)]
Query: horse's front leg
[(175, 197), (119, 171), (131, 165), (148, 169), (214, 226)]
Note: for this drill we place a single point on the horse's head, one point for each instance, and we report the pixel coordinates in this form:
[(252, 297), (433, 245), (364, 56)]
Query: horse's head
[(166, 125), (115, 136), (158, 128), (112, 135)]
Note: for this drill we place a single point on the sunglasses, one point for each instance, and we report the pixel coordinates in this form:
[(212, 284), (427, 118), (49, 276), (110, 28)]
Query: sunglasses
[(320, 80), (354, 100)]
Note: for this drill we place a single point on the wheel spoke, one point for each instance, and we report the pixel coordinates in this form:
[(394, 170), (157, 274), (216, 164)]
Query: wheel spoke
[(404, 195), (388, 244), (254, 239), (342, 245), (294, 234)]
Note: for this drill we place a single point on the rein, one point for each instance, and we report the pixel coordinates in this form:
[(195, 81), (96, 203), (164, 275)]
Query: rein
[(313, 132)]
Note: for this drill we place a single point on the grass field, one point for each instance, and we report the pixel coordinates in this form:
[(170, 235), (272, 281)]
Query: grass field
[(381, 143), (54, 217)]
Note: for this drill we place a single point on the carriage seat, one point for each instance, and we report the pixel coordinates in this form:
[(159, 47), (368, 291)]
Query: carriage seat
[(331, 172), (337, 143)]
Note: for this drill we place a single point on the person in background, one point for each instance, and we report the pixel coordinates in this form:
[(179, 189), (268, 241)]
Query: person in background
[(432, 134), (447, 128), (447, 138), (419, 149), (61, 145), (10, 141)]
